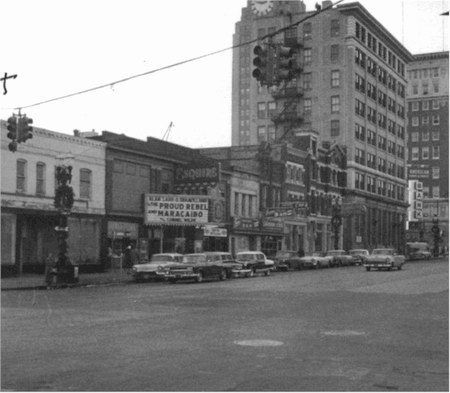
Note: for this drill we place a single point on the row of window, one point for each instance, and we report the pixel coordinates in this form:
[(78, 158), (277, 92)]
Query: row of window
[(435, 120), (424, 136), (379, 49), (371, 137), (381, 164), (41, 179), (424, 73), (431, 192), (425, 88), (377, 186), (379, 72), (415, 105), (426, 150), (376, 94), (375, 117)]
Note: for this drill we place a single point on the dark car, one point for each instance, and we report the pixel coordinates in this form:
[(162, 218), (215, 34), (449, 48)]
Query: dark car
[(195, 267), (286, 260), (226, 260), (359, 255), (256, 261), (339, 258)]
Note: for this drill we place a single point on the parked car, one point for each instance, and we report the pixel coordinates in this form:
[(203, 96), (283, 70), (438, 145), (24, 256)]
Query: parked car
[(256, 261), (226, 260), (282, 260), (384, 258), (155, 268), (288, 260), (339, 258), (359, 255), (417, 251), (315, 260), (195, 267)]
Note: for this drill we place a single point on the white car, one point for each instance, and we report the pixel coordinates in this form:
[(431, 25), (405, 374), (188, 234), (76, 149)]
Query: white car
[(156, 267), (384, 258)]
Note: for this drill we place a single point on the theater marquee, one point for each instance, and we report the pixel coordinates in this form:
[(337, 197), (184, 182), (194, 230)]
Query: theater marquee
[(163, 209)]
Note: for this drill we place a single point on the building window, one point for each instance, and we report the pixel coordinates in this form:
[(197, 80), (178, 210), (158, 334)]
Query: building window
[(261, 110), (435, 172), (415, 106), (425, 153), (334, 53), (425, 105), (236, 204), (414, 153), (435, 104), (262, 134), (436, 192), (272, 108), (307, 106), (415, 121), (425, 136), (415, 89), (307, 31), (435, 135), (335, 104), (334, 28), (436, 87), (307, 81), (40, 178), (271, 133), (335, 78), (307, 56), (335, 128), (436, 120), (21, 176), (85, 183), (425, 120), (414, 136), (435, 152)]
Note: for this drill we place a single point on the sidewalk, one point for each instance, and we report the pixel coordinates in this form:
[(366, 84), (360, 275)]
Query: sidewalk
[(36, 281)]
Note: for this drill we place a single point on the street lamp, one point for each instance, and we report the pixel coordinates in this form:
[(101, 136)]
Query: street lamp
[(63, 202), (336, 220)]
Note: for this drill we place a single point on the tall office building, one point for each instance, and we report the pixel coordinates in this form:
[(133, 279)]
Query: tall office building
[(351, 91), (428, 144)]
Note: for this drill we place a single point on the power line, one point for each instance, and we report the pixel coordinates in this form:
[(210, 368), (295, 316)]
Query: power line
[(181, 62)]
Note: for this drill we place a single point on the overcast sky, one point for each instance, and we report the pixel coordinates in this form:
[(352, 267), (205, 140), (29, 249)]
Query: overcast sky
[(59, 47)]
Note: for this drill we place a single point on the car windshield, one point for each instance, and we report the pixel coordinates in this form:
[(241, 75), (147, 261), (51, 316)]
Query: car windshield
[(359, 252), (284, 254), (316, 254), (383, 251), (194, 258), (162, 258)]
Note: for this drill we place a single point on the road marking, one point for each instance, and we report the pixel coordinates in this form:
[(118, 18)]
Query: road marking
[(259, 343), (343, 333)]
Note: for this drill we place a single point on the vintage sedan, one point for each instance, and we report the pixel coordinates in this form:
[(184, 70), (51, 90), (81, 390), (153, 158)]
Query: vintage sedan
[(256, 261), (418, 250), (316, 260), (155, 268), (226, 260), (283, 260), (195, 267), (359, 255), (384, 258), (339, 258)]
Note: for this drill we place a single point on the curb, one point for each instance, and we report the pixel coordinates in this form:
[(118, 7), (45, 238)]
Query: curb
[(62, 286)]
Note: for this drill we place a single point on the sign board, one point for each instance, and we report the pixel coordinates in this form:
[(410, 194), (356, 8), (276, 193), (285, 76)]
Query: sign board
[(418, 173), (197, 173), (245, 223), (215, 231), (160, 209)]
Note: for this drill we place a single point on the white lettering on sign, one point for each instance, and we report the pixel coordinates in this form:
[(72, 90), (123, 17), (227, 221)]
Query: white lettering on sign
[(168, 209)]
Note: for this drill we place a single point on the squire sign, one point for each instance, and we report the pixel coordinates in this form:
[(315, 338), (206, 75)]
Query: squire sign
[(172, 209), (197, 174)]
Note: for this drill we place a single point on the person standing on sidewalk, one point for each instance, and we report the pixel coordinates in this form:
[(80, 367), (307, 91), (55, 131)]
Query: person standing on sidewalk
[(50, 273)]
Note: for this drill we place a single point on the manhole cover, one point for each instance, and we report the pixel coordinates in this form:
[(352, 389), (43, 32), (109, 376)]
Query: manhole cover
[(259, 343), (343, 333)]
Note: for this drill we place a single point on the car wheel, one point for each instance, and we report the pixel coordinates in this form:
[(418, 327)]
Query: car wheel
[(399, 267), (223, 275), (317, 266), (368, 269), (199, 278), (267, 273)]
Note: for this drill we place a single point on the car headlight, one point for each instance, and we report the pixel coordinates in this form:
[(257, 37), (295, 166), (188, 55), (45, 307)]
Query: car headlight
[(135, 269)]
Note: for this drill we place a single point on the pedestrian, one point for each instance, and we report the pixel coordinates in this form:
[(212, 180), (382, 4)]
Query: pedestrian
[(301, 252), (50, 272)]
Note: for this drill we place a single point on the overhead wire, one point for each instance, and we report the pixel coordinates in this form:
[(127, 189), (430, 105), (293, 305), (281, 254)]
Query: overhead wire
[(266, 36)]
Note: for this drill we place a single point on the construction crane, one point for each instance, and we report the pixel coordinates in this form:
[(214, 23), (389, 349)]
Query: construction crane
[(167, 133)]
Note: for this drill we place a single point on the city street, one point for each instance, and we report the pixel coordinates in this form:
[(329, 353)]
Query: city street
[(339, 329)]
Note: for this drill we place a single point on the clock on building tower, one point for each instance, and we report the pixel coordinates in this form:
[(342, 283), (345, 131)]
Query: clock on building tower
[(261, 8)]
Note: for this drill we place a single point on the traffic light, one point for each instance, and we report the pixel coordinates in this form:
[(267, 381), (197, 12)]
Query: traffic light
[(286, 64), (12, 128), (25, 130), (263, 61)]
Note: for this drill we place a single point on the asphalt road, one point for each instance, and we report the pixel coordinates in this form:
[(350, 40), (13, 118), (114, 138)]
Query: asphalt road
[(328, 330)]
